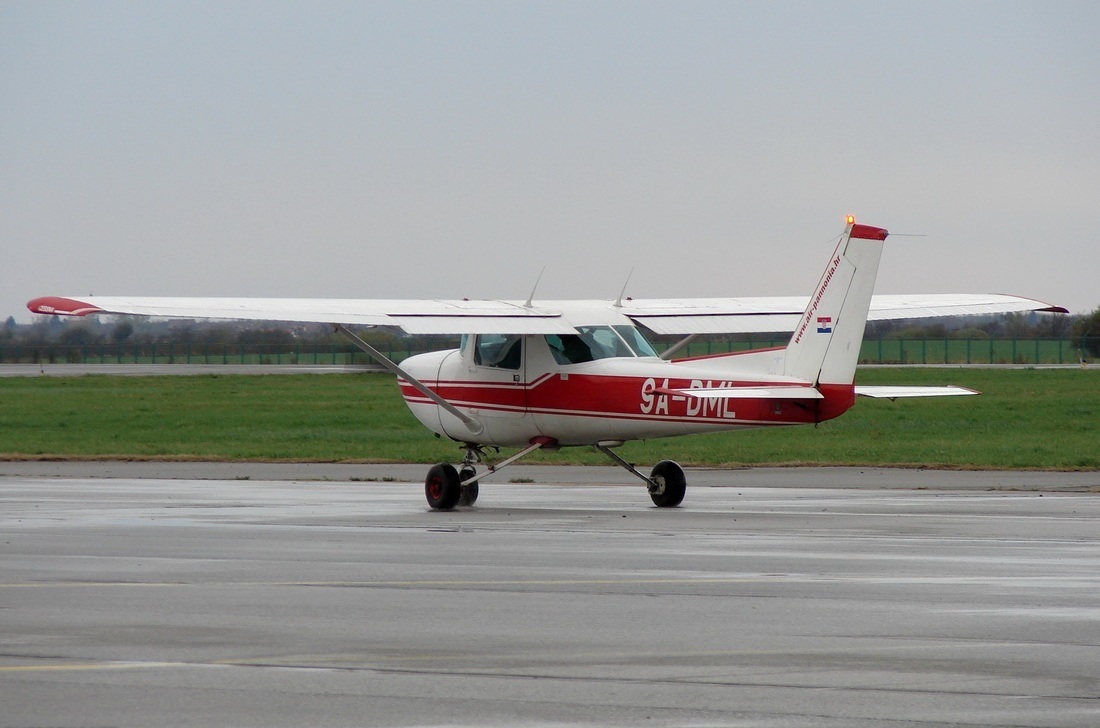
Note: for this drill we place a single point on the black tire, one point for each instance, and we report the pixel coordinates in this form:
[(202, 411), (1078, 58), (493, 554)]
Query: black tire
[(441, 487), (674, 484), (469, 492)]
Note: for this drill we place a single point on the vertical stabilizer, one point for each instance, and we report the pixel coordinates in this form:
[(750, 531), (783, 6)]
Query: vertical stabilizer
[(825, 346)]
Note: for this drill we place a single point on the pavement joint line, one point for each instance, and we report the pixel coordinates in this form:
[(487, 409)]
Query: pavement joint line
[(384, 583), (414, 582), (86, 666)]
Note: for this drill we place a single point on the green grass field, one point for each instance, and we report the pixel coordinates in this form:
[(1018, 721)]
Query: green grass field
[(1044, 419)]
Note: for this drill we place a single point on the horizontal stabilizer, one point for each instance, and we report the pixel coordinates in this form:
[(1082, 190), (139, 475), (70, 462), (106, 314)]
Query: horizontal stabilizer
[(774, 392), (887, 392)]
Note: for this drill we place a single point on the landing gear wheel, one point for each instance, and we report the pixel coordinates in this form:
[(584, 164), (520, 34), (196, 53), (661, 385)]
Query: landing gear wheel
[(469, 492), (672, 484), (442, 488)]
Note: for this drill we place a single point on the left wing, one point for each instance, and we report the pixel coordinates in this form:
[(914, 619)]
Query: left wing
[(411, 316)]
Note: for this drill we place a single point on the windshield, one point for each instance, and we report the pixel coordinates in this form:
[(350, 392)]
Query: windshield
[(598, 342), (636, 341)]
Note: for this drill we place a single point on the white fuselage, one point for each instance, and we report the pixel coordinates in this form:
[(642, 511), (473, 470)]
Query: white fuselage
[(533, 394)]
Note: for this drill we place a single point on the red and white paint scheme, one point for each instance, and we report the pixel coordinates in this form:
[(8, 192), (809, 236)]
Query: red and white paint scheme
[(581, 373)]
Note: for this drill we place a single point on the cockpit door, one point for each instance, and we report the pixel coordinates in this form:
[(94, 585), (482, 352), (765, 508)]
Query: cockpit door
[(496, 385)]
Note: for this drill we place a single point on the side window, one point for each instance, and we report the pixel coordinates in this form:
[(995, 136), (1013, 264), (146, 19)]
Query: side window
[(503, 351), (569, 348)]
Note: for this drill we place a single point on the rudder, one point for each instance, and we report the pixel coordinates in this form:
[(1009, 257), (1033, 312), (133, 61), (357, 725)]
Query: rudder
[(825, 346)]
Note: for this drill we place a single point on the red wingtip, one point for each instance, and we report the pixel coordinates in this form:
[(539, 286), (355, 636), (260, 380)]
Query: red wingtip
[(57, 306)]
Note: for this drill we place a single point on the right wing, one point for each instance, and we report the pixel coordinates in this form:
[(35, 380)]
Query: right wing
[(772, 314)]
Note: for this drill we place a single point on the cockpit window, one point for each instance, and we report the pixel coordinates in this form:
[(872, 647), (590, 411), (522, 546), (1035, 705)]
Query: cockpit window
[(598, 342), (503, 351)]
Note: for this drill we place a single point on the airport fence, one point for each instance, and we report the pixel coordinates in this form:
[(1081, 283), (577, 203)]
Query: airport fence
[(341, 354), (925, 351), (928, 351)]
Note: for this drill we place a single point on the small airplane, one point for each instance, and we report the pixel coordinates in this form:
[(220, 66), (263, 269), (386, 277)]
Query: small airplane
[(582, 373)]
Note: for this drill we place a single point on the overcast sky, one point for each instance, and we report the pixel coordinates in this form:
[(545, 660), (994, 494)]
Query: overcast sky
[(454, 149)]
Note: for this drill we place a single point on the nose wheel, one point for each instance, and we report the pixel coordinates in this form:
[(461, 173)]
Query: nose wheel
[(469, 492)]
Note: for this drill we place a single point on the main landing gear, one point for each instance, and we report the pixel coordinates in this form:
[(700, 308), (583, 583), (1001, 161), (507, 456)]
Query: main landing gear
[(666, 483), (442, 487), (447, 486)]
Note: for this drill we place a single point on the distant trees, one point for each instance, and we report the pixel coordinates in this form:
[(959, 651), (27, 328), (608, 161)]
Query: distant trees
[(93, 331), (145, 333), (79, 335), (123, 330), (1003, 326), (1086, 329)]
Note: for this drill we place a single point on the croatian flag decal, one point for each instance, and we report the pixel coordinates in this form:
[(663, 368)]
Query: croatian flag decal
[(824, 324)]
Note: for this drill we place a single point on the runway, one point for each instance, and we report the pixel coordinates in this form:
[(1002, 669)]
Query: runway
[(766, 600)]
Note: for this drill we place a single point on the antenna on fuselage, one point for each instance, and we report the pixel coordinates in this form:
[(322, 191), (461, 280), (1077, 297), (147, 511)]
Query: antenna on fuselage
[(531, 298), (619, 300)]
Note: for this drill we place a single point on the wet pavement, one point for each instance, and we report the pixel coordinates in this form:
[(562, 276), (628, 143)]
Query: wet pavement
[(766, 600)]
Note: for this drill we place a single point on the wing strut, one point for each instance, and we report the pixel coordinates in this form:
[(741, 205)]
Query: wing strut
[(475, 426), (667, 353)]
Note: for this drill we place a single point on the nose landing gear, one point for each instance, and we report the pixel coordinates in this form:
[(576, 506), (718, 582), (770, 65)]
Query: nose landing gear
[(467, 476)]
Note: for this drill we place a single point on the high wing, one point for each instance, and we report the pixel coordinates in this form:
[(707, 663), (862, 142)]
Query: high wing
[(681, 316)]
